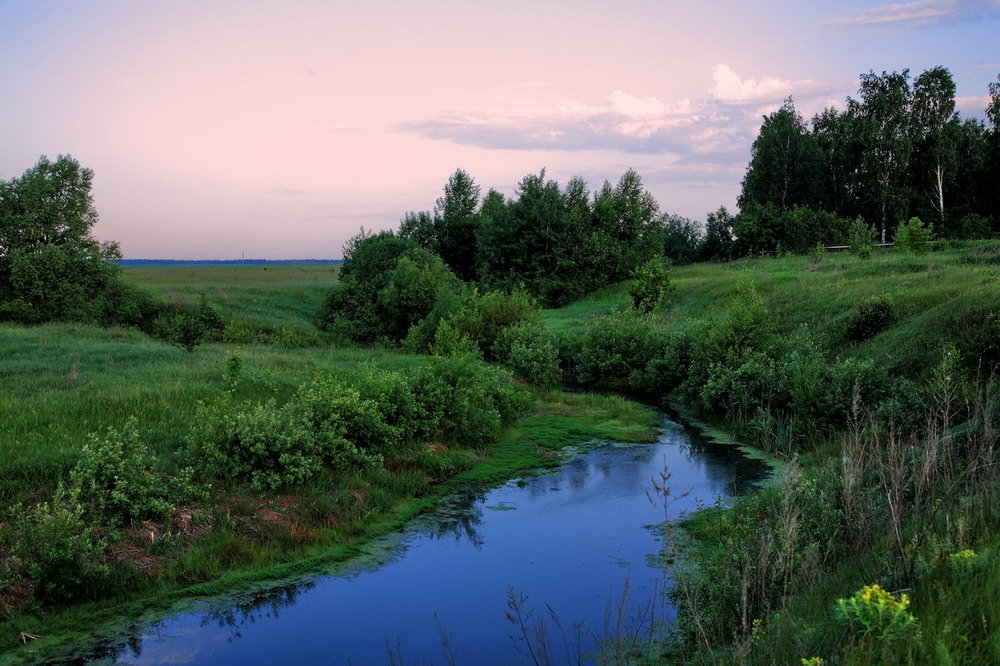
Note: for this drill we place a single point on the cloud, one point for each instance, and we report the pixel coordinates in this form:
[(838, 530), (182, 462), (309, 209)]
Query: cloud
[(908, 15), (729, 87), (694, 137)]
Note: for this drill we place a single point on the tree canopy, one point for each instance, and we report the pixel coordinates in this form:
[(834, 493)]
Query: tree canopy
[(51, 266)]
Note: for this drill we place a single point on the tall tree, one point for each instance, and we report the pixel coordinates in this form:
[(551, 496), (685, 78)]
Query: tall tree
[(883, 116), (836, 136), (936, 132), (993, 170), (455, 222), (786, 163)]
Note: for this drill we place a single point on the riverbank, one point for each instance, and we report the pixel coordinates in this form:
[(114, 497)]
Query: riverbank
[(536, 442)]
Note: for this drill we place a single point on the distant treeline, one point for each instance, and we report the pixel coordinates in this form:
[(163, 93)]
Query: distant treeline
[(224, 262), (899, 150)]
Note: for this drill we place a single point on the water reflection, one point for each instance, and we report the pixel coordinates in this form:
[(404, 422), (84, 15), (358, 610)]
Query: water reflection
[(568, 542)]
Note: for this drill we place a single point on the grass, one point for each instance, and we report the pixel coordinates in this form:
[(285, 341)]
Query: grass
[(261, 297), (928, 294), (62, 382)]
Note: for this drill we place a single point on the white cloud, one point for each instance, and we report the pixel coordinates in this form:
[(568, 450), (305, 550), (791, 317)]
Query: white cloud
[(730, 87)]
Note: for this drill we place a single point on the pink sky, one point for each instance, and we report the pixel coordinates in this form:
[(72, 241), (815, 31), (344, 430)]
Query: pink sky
[(278, 129)]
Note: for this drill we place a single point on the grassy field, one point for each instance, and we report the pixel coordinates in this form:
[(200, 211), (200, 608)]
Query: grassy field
[(261, 297), (929, 295), (63, 382)]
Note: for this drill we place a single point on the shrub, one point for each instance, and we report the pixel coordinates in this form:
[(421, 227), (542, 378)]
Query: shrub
[(974, 226), (529, 350), (449, 341), (469, 402), (269, 446), (871, 317), (861, 238), (234, 368), (914, 236), (617, 349), (115, 475), (875, 613), (651, 286), (493, 312), (56, 549), (412, 290), (333, 407)]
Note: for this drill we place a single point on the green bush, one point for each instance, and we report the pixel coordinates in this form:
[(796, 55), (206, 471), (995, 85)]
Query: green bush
[(333, 407), (616, 351), (449, 341), (529, 350), (57, 550), (914, 237), (269, 446), (871, 317), (493, 312), (861, 238), (651, 287), (115, 475), (469, 401)]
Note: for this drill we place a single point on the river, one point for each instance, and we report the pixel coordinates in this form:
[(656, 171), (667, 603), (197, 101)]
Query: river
[(574, 551)]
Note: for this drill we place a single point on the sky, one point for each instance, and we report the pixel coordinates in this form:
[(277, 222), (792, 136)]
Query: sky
[(278, 129)]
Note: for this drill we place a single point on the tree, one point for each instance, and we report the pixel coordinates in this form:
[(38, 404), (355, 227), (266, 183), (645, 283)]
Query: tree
[(51, 266), (682, 239), (455, 222), (936, 134), (838, 137), (883, 117), (786, 163), (419, 227), (718, 243)]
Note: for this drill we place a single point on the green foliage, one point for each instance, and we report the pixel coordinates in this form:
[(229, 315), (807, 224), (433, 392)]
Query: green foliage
[(57, 550), (450, 341), (455, 224), (768, 228), (51, 267), (115, 475), (861, 239), (530, 351), (492, 313), (872, 316), (234, 368), (616, 351), (914, 237), (786, 163), (466, 401), (875, 613), (413, 289), (334, 408), (977, 339), (651, 287), (719, 244), (269, 446), (387, 286), (682, 239)]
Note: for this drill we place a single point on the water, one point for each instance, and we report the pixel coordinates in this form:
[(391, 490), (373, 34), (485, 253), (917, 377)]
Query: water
[(569, 541)]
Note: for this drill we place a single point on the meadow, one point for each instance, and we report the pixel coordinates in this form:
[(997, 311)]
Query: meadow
[(65, 382)]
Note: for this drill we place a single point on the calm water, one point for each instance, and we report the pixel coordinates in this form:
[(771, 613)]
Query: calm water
[(568, 542)]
